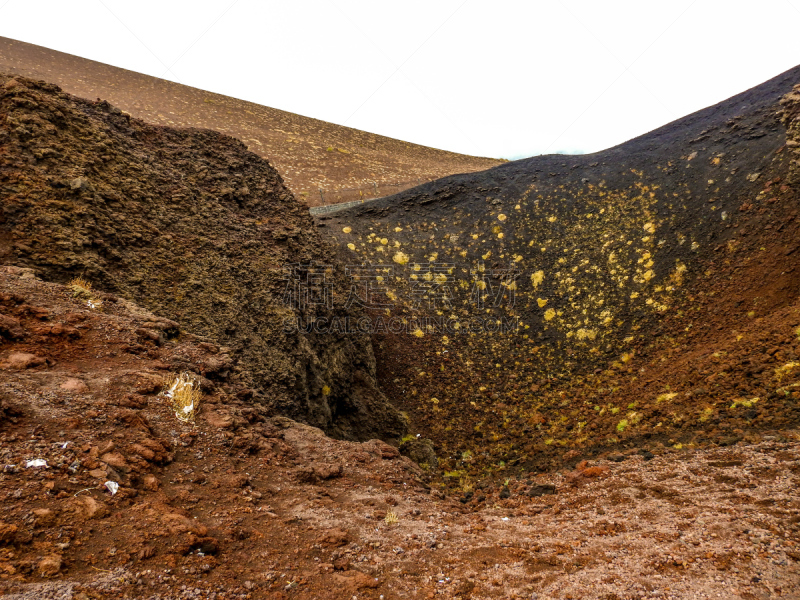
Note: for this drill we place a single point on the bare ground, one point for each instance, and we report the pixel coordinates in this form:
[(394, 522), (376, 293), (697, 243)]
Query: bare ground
[(243, 505)]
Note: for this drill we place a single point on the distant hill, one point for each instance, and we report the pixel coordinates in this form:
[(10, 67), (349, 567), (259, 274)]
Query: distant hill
[(309, 154)]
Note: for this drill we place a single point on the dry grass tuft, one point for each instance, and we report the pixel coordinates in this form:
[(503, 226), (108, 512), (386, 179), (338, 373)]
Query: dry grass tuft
[(185, 395), (391, 517), (82, 289)]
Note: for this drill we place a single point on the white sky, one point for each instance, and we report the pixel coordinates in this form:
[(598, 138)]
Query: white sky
[(503, 78)]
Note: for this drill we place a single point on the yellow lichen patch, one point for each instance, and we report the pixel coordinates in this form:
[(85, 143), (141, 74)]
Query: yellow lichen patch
[(418, 333), (537, 278), (549, 314), (384, 241), (347, 229), (541, 302), (326, 390), (351, 245), (746, 402), (401, 258), (666, 397), (552, 219), (784, 370), (648, 275), (501, 217), (398, 229), (706, 414), (650, 228)]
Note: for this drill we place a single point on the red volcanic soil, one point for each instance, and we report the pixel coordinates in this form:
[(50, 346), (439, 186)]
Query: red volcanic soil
[(243, 504)]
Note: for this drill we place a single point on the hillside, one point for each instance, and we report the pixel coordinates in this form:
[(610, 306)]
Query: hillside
[(244, 505), (652, 304), (564, 377), (196, 228), (309, 154)]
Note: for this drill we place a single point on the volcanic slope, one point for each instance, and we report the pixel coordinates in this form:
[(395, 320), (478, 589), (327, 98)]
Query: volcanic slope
[(308, 153), (241, 505), (193, 226), (648, 292)]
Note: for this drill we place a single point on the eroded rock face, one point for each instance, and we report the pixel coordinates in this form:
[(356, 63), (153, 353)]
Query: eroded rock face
[(790, 116), (191, 225)]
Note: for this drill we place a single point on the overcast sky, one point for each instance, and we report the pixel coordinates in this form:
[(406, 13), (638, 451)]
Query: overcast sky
[(499, 78)]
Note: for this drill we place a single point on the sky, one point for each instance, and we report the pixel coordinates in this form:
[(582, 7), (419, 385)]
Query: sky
[(500, 78)]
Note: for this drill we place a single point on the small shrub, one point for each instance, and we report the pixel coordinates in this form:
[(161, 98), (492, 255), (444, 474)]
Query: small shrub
[(82, 290), (391, 517), (184, 394)]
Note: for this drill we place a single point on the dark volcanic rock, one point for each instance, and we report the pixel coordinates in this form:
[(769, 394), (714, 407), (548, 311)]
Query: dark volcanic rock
[(549, 297), (541, 490), (193, 226), (421, 451)]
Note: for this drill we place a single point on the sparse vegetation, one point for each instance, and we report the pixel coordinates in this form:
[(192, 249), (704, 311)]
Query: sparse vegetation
[(183, 392), (82, 290), (745, 402)]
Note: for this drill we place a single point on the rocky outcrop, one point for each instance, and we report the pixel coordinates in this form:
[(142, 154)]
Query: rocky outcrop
[(790, 115), (191, 225)]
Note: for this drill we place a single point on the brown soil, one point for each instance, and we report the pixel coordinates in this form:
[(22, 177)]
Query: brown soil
[(308, 153), (246, 505), (191, 225)]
